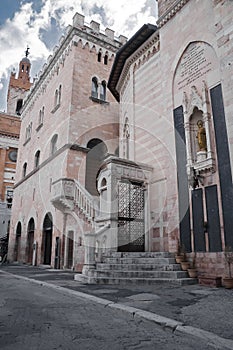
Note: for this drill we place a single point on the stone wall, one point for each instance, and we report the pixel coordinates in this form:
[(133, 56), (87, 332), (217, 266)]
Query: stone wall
[(152, 90)]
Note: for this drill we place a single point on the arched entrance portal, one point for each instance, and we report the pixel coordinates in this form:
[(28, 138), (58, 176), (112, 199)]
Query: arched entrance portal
[(17, 241), (98, 150), (30, 240), (47, 239)]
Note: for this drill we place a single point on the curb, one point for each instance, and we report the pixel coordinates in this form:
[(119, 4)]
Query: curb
[(166, 323)]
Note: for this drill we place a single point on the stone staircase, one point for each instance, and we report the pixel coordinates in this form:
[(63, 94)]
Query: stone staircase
[(69, 195), (137, 268)]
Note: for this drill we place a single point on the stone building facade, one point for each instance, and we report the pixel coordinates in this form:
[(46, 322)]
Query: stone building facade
[(9, 140), (10, 122), (174, 85), (76, 198), (69, 123)]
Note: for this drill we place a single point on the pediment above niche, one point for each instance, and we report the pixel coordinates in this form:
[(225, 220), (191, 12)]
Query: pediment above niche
[(195, 100)]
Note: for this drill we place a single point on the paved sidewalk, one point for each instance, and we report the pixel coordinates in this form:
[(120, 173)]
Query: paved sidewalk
[(181, 308)]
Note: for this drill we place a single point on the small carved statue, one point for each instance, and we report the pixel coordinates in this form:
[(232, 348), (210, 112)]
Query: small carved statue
[(27, 51), (201, 136)]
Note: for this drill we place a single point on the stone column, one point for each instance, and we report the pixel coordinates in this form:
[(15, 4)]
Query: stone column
[(188, 141), (187, 132), (206, 119)]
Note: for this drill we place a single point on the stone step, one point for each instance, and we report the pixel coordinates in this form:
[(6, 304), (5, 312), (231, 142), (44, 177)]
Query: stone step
[(140, 255), (138, 260), (146, 281), (138, 281), (141, 274), (139, 267)]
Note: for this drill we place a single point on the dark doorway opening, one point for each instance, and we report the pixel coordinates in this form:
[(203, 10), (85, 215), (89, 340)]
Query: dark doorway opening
[(95, 156), (17, 241), (30, 240), (70, 248), (47, 239)]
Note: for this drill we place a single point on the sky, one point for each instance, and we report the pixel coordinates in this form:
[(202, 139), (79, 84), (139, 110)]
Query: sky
[(39, 24)]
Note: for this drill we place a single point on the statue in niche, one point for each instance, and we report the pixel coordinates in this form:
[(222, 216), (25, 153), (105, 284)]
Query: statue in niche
[(201, 136)]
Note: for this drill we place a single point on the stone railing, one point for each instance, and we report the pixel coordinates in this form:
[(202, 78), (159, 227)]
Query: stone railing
[(69, 193), (93, 251), (88, 205)]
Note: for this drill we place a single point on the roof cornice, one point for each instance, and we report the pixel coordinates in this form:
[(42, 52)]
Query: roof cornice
[(125, 52), (143, 51), (171, 12)]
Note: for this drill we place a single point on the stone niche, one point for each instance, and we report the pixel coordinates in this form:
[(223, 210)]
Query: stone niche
[(196, 71)]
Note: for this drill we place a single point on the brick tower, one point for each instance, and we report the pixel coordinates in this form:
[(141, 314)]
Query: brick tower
[(19, 87)]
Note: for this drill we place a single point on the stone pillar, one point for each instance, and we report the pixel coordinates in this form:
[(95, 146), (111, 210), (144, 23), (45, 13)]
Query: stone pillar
[(188, 142), (89, 257), (206, 119), (187, 131)]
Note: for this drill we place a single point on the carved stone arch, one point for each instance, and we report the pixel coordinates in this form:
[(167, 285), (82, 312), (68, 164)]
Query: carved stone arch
[(194, 101)]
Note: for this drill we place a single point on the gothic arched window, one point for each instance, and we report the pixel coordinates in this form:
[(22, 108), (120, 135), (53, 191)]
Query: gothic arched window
[(37, 159), (94, 88), (53, 144), (103, 90)]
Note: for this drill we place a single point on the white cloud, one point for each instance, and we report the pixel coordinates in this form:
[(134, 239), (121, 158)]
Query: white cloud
[(35, 29)]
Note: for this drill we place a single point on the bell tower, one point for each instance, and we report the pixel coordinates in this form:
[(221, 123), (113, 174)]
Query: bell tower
[(20, 86)]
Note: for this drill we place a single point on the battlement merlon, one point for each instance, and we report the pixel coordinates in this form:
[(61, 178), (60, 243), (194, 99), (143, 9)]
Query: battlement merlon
[(94, 29)]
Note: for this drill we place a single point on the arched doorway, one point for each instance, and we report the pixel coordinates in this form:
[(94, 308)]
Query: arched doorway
[(98, 150), (17, 241), (30, 240), (46, 250), (69, 249)]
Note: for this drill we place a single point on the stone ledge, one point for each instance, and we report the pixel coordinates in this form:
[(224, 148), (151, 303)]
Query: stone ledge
[(210, 281)]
